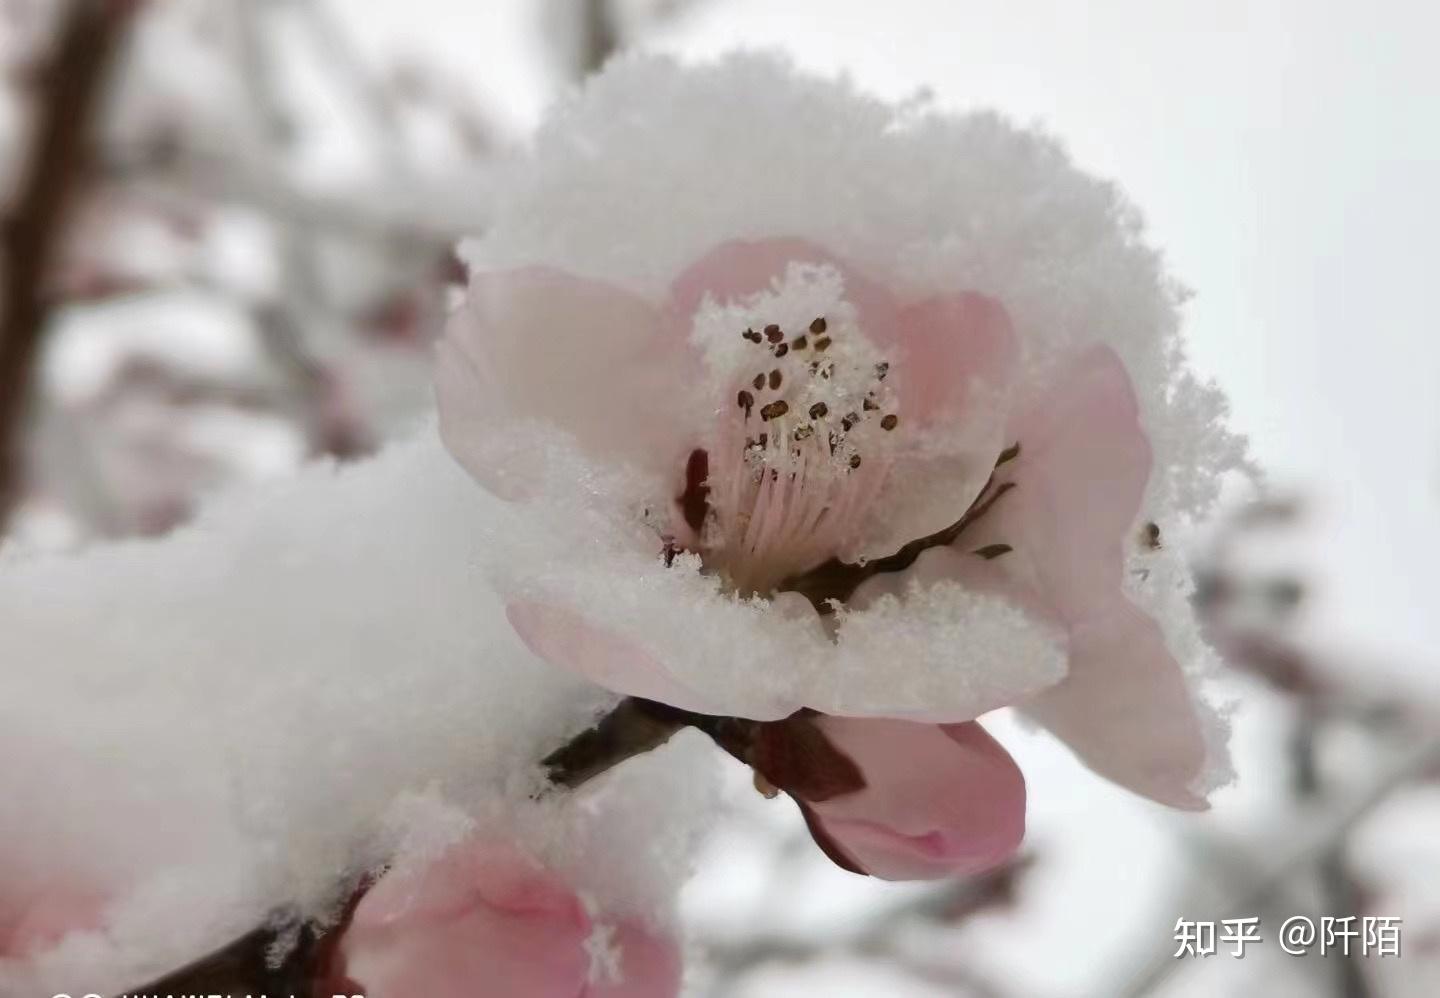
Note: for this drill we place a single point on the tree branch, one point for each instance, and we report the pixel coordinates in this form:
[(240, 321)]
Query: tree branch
[(73, 82)]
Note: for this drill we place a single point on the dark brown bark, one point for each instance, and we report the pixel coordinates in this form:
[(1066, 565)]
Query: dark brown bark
[(69, 92)]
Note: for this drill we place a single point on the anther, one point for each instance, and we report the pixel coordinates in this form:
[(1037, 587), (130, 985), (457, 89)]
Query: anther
[(818, 410), (775, 410), (882, 369), (745, 400), (800, 342), (890, 422), (854, 460), (751, 335), (773, 334), (759, 382), (870, 405), (804, 432), (782, 349), (818, 326), (851, 418), (774, 379), (822, 343)]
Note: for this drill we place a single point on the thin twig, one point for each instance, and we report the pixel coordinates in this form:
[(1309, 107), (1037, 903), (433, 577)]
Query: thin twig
[(58, 163), (1341, 824)]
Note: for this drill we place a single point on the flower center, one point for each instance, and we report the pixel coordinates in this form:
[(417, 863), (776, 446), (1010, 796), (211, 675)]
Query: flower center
[(803, 439)]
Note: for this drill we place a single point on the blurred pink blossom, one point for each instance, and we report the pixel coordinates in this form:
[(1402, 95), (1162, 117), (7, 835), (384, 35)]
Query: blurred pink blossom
[(486, 919)]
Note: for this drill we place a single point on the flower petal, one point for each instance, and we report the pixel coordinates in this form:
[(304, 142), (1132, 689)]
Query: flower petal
[(1080, 476), (1125, 708), (646, 966), (461, 927), (951, 346), (1084, 462), (564, 638), (49, 918), (587, 357), (939, 800)]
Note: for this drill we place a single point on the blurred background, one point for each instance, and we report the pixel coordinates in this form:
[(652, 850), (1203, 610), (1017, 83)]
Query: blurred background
[(228, 239)]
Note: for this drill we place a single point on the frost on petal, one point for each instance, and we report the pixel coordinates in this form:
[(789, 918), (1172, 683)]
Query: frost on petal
[(540, 344), (939, 800), (940, 653)]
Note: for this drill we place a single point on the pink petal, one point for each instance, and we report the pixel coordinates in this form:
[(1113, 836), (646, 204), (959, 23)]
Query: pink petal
[(486, 919), (736, 269), (1126, 710), (1081, 475), (462, 934), (949, 344), (586, 357), (649, 966), (940, 800), (496, 874), (47, 919), (564, 638), (1084, 463)]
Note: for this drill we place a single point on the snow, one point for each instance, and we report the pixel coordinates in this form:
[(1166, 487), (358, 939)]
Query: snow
[(205, 728)]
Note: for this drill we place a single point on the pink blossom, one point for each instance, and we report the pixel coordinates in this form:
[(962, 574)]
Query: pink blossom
[(486, 919), (938, 800), (41, 921), (843, 458)]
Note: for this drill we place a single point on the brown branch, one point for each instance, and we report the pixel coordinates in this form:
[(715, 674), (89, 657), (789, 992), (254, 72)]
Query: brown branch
[(598, 37), (71, 87)]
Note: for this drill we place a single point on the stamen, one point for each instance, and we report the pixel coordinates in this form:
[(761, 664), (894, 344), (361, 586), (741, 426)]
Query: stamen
[(890, 422), (787, 500)]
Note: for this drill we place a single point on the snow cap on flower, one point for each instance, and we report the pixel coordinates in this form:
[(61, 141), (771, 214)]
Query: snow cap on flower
[(753, 352)]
